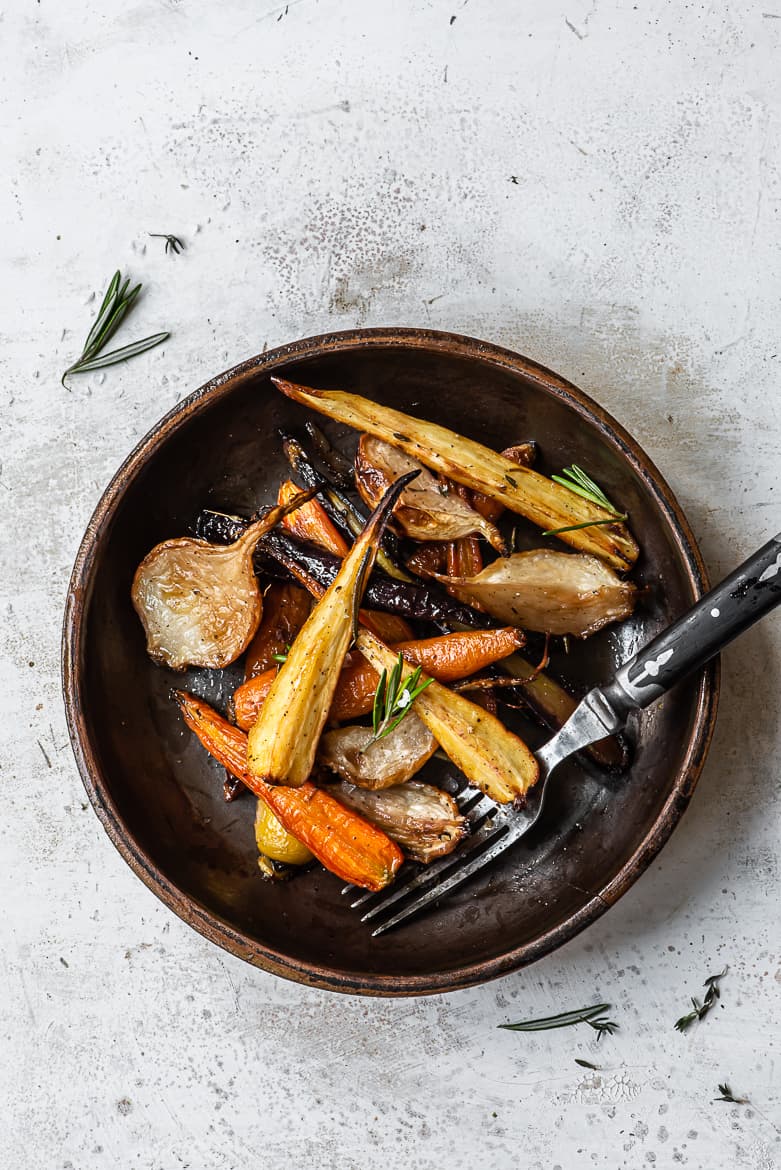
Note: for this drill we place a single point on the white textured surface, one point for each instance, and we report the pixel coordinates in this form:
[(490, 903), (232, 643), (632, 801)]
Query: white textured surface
[(347, 162)]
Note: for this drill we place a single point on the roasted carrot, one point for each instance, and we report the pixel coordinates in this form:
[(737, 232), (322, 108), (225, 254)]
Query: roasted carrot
[(285, 609), (523, 454), (311, 522), (447, 658), (341, 840), (466, 550)]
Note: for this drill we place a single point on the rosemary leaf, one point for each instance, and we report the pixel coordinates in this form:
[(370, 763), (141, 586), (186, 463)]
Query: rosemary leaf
[(563, 1020), (728, 1095), (393, 699), (114, 307), (701, 1009), (575, 479), (586, 1064), (172, 243)]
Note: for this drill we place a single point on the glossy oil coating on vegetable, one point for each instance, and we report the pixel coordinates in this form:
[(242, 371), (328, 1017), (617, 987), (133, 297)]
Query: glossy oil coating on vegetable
[(427, 509), (200, 603), (490, 756), (274, 841), (283, 739), (350, 752), (548, 591), (424, 820), (340, 839), (547, 504)]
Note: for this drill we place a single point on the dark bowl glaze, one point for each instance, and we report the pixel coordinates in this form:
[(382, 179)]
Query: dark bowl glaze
[(159, 796)]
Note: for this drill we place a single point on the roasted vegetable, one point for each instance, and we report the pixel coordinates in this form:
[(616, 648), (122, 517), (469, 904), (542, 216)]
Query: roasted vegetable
[(424, 820), (200, 603), (350, 752), (413, 600), (274, 841), (449, 657), (341, 840), (311, 522), (548, 504), (524, 455), (427, 509), (548, 591), (464, 557), (489, 755), (283, 740), (285, 609)]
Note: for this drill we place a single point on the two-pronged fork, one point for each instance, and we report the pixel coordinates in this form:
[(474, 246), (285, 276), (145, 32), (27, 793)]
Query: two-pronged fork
[(741, 599)]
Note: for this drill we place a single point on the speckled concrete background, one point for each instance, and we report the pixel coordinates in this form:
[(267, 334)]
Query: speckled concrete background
[(596, 185)]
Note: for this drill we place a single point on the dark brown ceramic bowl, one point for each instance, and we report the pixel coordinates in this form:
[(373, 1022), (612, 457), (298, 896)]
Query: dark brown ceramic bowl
[(160, 798)]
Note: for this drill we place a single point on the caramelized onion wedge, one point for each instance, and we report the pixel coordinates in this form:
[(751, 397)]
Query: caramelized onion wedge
[(283, 739), (421, 818), (396, 757), (489, 755), (548, 504), (342, 841), (548, 591), (200, 603), (426, 510)]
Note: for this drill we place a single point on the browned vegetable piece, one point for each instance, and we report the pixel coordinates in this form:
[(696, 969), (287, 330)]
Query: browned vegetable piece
[(285, 609), (426, 510), (200, 603), (524, 455), (548, 504), (283, 740), (489, 755), (396, 757), (342, 841), (548, 591), (422, 819)]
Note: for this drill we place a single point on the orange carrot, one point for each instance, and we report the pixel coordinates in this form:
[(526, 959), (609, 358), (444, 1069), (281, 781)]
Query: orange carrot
[(446, 658), (285, 609), (311, 522), (342, 841), (465, 551)]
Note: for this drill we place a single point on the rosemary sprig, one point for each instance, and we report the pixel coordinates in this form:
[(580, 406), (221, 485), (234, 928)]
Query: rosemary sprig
[(116, 304), (583, 485), (727, 1095), (701, 1009), (589, 1015), (393, 699), (172, 243)]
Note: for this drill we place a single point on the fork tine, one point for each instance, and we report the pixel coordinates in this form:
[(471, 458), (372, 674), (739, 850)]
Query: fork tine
[(432, 873), (501, 841)]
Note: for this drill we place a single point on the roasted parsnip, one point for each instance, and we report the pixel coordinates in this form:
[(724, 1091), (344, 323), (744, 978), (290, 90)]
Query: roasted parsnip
[(548, 504), (283, 740), (489, 755)]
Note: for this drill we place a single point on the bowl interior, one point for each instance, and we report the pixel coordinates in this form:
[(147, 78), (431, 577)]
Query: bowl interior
[(161, 797)]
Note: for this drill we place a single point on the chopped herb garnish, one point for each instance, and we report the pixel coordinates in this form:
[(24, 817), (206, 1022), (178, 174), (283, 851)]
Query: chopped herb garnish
[(590, 1015), (113, 309), (575, 479), (701, 1009), (172, 243), (393, 699), (727, 1095)]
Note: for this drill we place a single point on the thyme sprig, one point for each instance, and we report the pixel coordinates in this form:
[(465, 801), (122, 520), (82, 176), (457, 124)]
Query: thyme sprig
[(590, 1015), (575, 479), (728, 1095), (172, 243), (393, 699), (701, 1009), (115, 306)]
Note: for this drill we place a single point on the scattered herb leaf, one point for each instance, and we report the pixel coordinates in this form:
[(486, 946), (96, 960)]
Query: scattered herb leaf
[(701, 1009), (172, 243), (112, 311), (727, 1095), (589, 1015), (583, 485), (393, 699), (586, 1064)]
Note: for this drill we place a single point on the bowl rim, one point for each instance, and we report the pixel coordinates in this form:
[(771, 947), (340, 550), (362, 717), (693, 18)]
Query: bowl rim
[(213, 926)]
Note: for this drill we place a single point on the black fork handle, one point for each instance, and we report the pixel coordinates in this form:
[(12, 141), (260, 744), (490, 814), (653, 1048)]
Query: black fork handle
[(740, 600)]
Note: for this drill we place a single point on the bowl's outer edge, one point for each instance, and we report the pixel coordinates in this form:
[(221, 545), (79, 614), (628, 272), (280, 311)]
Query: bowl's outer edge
[(221, 932)]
